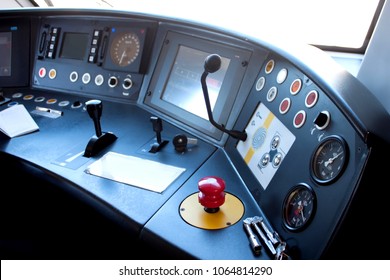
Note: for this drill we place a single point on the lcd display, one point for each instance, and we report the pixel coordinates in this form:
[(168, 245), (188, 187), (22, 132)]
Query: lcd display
[(176, 87), (74, 45), (6, 52), (183, 87)]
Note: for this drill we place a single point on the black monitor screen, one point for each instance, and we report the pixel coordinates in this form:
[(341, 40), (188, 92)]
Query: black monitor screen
[(74, 45), (6, 52), (14, 52), (176, 87), (183, 88)]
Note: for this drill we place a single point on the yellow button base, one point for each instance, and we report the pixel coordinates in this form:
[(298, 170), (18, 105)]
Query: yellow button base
[(194, 214)]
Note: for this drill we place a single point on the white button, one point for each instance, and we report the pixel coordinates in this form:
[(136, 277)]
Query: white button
[(260, 83), (73, 76), (99, 80), (282, 75), (86, 78)]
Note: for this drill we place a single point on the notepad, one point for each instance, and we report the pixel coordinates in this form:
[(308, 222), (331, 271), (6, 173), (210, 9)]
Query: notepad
[(134, 171), (17, 121)]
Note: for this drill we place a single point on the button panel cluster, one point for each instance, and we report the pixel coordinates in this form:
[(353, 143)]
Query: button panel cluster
[(296, 87), (53, 42), (93, 52)]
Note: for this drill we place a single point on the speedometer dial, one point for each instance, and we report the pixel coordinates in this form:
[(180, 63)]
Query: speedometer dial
[(125, 49)]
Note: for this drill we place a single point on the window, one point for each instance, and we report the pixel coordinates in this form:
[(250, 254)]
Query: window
[(330, 24)]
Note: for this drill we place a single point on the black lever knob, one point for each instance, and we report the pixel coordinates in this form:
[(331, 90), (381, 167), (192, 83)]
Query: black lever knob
[(94, 109), (157, 127), (212, 63)]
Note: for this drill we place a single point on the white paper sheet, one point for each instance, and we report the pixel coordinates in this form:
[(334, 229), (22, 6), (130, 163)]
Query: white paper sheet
[(143, 173), (16, 121)]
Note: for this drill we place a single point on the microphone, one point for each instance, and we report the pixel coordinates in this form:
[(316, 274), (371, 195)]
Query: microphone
[(211, 65)]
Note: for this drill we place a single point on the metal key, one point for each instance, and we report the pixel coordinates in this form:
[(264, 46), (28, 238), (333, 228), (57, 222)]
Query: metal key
[(280, 252), (254, 242), (260, 221), (262, 235)]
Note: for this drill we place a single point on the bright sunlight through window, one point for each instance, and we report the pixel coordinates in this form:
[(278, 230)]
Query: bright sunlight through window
[(341, 23)]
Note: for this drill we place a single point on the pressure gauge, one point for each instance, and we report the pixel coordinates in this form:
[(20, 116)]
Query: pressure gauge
[(299, 207), (329, 160)]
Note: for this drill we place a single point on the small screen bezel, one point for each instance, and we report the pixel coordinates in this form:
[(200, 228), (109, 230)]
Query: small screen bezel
[(6, 51), (228, 91), (74, 45), (20, 52)]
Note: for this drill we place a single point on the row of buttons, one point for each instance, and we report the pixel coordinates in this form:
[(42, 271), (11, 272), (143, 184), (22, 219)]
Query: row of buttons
[(86, 78), (41, 99)]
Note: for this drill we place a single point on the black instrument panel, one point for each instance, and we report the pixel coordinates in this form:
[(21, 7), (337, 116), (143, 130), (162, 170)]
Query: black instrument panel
[(299, 168), (93, 57), (175, 89), (289, 121)]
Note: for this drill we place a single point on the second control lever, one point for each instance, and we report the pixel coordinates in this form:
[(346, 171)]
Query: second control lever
[(157, 127)]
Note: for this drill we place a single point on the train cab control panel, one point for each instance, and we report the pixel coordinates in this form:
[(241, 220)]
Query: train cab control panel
[(203, 143)]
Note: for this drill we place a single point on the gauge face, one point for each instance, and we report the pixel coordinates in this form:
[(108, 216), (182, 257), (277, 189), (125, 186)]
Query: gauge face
[(329, 160), (299, 207), (125, 49)]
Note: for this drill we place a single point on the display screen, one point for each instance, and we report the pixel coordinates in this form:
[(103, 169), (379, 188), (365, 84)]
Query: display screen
[(6, 52), (183, 87), (74, 45), (176, 87)]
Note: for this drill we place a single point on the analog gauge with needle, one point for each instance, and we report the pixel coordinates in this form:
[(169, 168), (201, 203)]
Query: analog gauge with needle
[(329, 160), (125, 49), (299, 207)]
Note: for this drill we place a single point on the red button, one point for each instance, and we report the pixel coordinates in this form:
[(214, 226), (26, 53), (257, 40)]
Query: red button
[(285, 105), (42, 72), (299, 119), (311, 98), (211, 192)]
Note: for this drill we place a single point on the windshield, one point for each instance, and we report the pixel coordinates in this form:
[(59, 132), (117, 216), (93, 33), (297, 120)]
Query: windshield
[(334, 23)]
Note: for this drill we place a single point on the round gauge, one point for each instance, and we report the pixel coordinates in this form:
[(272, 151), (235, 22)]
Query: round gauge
[(329, 159), (125, 49), (299, 207)]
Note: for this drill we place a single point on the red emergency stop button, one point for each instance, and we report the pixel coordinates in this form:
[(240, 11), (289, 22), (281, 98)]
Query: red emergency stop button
[(211, 193)]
